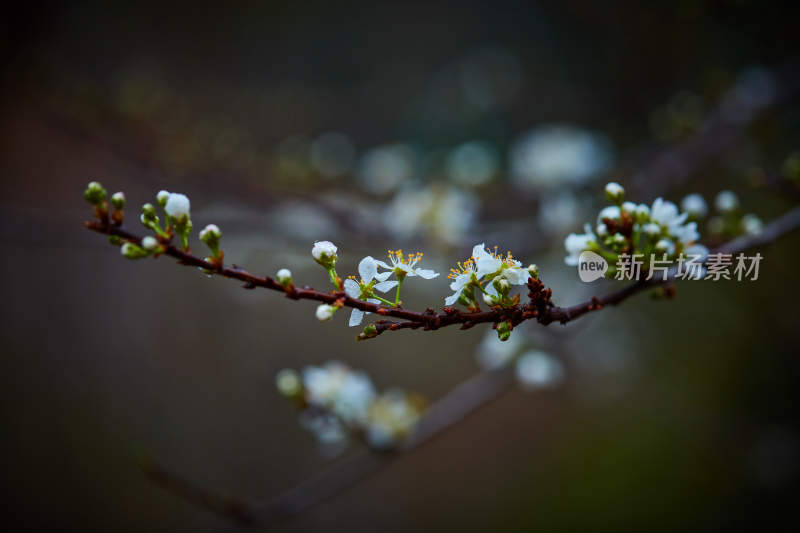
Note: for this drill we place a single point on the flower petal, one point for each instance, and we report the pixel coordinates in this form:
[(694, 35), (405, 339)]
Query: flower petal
[(382, 264), (383, 276), (450, 300), (356, 317), (367, 269), (426, 274), (352, 288), (385, 285)]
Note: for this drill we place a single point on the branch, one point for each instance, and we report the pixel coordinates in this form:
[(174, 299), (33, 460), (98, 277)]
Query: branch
[(464, 399)]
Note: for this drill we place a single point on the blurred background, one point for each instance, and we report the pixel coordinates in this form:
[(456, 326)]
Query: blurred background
[(422, 126)]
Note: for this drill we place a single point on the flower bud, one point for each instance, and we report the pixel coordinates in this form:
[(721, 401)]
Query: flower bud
[(118, 200), (211, 235), (324, 253), (601, 230), (501, 285), (325, 312), (533, 270), (162, 197), (642, 212), (629, 207), (95, 194), (148, 213), (132, 251), (652, 229), (177, 207), (369, 332), (149, 243), (615, 192), (284, 276), (489, 300), (665, 246), (288, 383), (504, 330), (619, 238)]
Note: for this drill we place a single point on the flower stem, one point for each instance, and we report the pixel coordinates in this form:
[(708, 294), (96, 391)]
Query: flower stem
[(387, 302), (397, 294)]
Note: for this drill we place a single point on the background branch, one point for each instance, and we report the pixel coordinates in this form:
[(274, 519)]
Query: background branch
[(462, 400)]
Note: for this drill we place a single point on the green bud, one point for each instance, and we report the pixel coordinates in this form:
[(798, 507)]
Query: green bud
[(284, 276), (533, 270), (501, 285), (369, 332), (149, 213), (162, 197), (210, 235), (95, 194), (118, 200), (115, 240), (504, 330), (615, 192), (132, 251)]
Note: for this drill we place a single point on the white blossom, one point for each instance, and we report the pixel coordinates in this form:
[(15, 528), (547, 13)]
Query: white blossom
[(162, 197), (575, 243), (666, 213), (392, 416), (406, 265), (346, 393), (368, 270), (177, 206)]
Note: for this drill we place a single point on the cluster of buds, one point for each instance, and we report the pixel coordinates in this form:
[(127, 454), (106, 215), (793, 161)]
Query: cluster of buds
[(629, 228), (337, 402), (176, 221), (729, 221)]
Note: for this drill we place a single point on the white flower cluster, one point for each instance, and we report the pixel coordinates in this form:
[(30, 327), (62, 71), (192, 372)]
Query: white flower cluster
[(340, 401), (638, 228), (498, 272), (402, 266), (729, 222)]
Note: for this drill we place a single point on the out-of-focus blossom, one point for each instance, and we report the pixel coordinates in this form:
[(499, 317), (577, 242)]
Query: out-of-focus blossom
[(384, 168), (536, 369), (555, 155), (695, 205), (751, 224), (344, 392), (560, 212), (392, 416), (333, 154), (493, 353), (726, 201), (473, 163), (444, 213)]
